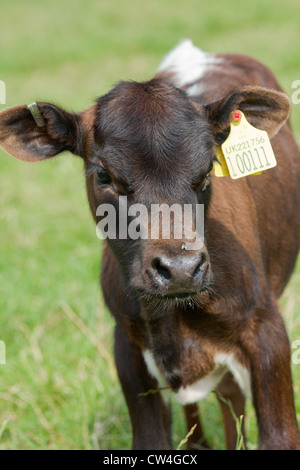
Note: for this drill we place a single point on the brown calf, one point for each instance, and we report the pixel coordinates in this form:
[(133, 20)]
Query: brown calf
[(201, 319)]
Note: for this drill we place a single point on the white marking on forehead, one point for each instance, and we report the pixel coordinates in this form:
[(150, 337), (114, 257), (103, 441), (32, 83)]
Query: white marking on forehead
[(188, 63)]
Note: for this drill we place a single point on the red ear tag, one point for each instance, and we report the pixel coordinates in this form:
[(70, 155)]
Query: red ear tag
[(236, 116)]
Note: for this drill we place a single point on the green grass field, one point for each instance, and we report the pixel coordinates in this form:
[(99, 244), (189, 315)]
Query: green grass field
[(58, 388)]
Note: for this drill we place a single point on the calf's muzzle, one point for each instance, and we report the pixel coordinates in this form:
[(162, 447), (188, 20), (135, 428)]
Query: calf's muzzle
[(180, 274)]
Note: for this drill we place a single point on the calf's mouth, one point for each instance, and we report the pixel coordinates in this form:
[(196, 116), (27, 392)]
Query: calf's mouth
[(166, 302)]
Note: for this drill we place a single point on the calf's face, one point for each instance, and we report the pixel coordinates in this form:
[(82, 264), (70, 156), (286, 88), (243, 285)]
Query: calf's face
[(146, 147), (155, 147)]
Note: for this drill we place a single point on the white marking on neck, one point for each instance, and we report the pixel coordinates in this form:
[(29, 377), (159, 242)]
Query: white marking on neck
[(188, 64), (202, 387), (155, 372), (239, 372), (153, 369)]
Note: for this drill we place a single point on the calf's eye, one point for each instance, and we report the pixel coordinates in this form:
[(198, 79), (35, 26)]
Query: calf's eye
[(103, 177)]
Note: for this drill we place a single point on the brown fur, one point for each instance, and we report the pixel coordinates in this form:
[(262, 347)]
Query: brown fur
[(157, 145)]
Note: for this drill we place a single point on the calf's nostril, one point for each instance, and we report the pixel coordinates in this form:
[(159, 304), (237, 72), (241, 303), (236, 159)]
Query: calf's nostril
[(162, 270), (199, 266)]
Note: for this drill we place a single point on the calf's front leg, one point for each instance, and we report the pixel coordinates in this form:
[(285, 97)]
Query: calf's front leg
[(230, 390), (150, 416), (266, 344)]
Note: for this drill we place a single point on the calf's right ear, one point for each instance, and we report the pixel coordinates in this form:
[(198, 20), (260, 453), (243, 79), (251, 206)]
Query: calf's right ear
[(52, 131)]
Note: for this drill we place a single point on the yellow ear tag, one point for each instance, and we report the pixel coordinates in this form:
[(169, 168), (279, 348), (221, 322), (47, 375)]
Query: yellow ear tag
[(247, 150), (220, 167)]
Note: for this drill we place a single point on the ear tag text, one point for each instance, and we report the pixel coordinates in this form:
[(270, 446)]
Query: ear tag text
[(246, 151)]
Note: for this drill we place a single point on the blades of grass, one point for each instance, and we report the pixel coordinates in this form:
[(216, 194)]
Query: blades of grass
[(189, 434), (152, 391), (3, 427), (76, 320), (240, 444)]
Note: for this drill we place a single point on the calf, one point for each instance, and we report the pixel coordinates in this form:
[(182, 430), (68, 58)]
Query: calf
[(201, 319)]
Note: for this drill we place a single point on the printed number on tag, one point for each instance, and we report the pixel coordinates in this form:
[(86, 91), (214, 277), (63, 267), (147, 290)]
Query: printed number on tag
[(247, 150)]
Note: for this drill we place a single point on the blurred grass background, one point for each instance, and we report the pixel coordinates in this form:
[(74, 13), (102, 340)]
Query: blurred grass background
[(58, 389)]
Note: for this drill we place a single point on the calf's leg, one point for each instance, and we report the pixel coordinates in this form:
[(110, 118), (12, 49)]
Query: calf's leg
[(197, 439), (230, 390), (266, 344), (150, 416)]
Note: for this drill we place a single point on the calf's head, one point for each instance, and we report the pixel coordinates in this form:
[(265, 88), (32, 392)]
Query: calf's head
[(146, 148)]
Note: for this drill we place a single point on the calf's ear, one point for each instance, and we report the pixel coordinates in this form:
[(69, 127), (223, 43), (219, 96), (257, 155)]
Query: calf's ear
[(264, 108), (52, 131)]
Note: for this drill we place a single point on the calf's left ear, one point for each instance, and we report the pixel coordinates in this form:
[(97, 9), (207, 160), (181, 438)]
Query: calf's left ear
[(52, 131), (264, 108)]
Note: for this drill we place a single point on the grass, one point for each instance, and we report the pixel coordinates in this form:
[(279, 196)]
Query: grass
[(58, 389)]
